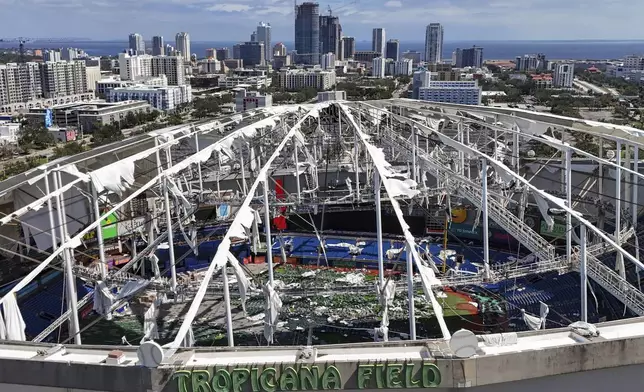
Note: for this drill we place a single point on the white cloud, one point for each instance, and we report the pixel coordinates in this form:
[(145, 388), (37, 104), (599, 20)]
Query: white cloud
[(393, 4), (229, 7)]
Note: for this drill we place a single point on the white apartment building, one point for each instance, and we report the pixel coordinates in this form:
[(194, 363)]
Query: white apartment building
[(563, 75), (328, 61), (19, 83), (93, 75), (247, 100), (298, 78), (159, 97), (378, 67), (634, 62), (458, 92), (61, 78), (145, 66), (404, 67)]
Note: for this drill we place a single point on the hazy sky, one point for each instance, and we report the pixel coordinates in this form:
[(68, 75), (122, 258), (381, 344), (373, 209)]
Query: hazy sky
[(233, 20)]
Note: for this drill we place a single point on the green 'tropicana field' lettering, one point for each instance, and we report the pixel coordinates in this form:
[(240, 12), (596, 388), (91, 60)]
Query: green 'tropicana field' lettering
[(309, 378)]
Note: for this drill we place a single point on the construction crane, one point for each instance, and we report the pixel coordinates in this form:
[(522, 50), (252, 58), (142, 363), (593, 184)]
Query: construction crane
[(21, 47), (22, 41)]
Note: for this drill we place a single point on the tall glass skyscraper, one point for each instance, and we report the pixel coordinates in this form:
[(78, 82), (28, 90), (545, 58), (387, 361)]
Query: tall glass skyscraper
[(434, 43), (330, 35), (182, 41), (137, 45), (307, 33), (158, 49), (264, 35)]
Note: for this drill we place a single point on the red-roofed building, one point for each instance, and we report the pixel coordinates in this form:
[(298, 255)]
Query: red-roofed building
[(542, 80), (593, 70)]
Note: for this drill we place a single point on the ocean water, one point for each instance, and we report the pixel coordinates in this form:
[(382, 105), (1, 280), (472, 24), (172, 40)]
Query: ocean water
[(577, 50)]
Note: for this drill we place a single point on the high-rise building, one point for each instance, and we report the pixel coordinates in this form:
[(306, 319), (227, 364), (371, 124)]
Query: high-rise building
[(137, 45), (19, 83), (253, 36), (52, 55), (420, 79), (264, 36), (158, 49), (378, 41), (404, 67), (182, 43), (330, 34), (69, 54), (349, 44), (223, 54), (563, 75), (413, 55), (237, 51), (307, 33), (472, 57), (434, 43), (279, 49), (328, 61), (62, 78), (466, 92), (211, 53), (393, 49), (145, 66), (378, 67), (252, 53)]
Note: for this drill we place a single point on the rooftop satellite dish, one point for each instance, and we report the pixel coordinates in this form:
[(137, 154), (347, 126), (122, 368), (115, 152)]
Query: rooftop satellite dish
[(150, 354), (463, 343), (610, 154), (531, 154)]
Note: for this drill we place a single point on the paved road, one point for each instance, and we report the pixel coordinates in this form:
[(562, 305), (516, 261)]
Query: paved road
[(593, 87), (400, 91)]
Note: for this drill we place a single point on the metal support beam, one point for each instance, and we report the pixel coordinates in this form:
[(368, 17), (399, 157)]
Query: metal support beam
[(267, 229), (99, 233), (410, 294), (486, 238), (568, 184), (229, 317), (381, 263), (583, 274), (69, 273), (168, 224)]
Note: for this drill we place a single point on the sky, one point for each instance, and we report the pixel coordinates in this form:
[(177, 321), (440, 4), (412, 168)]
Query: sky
[(234, 20)]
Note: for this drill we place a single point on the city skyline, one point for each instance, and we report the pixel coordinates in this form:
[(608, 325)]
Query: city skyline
[(402, 19)]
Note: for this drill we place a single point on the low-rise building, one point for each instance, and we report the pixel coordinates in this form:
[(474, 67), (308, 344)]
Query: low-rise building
[(209, 66), (165, 98), (247, 100), (86, 116), (254, 82), (332, 96), (9, 132), (542, 81), (296, 79), (104, 85)]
